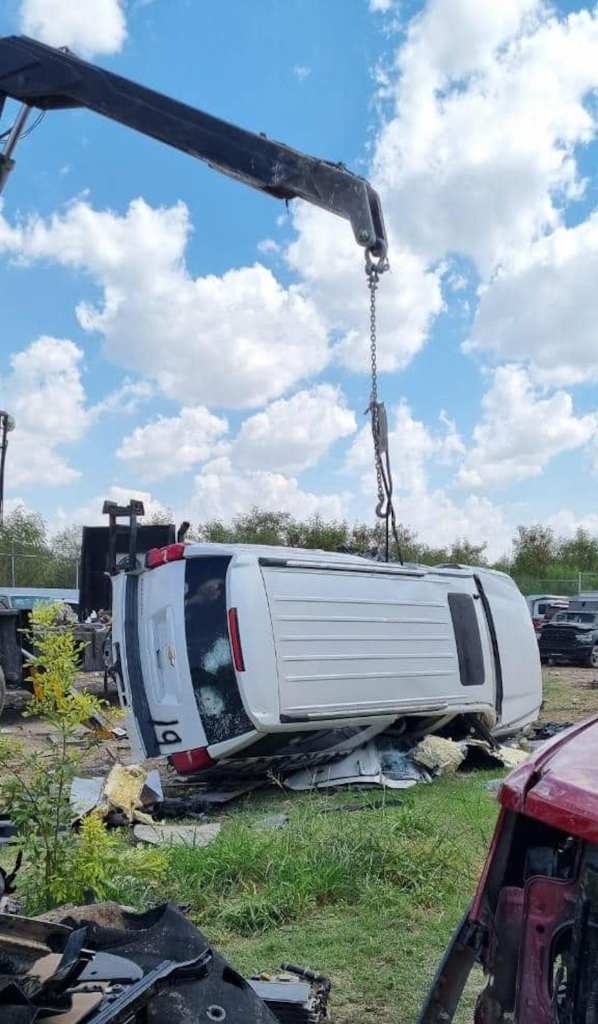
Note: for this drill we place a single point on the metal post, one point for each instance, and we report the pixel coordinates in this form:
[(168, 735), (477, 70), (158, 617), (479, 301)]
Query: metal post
[(13, 574), (7, 424), (16, 131), (579, 583), (6, 161)]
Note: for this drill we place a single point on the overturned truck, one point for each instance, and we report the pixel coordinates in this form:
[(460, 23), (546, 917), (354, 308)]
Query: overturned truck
[(252, 657)]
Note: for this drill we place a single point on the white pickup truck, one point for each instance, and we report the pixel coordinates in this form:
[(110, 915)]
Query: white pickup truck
[(238, 651)]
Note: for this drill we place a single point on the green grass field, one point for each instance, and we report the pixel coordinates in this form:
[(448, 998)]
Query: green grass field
[(404, 876), (369, 898)]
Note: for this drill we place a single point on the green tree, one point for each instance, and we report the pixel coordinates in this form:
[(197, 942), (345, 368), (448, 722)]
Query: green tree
[(534, 549), (581, 552), (24, 556), (65, 551), (254, 527), (317, 533), (463, 552)]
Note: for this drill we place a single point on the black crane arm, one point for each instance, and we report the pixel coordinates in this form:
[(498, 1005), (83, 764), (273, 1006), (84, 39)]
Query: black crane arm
[(50, 79)]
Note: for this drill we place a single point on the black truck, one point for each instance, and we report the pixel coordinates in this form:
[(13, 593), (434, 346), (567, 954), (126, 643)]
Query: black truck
[(571, 636)]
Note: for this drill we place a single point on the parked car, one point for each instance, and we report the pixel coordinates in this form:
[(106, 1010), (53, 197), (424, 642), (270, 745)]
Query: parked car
[(238, 652), (572, 637), (542, 607), (26, 598), (585, 602)]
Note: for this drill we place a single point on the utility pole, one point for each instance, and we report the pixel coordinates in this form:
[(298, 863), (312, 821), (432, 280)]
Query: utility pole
[(7, 424)]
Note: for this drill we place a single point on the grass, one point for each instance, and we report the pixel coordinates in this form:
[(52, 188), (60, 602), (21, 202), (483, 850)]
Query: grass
[(369, 898), (380, 935)]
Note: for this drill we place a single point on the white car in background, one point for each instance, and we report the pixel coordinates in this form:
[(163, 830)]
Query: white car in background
[(239, 653), (542, 607)]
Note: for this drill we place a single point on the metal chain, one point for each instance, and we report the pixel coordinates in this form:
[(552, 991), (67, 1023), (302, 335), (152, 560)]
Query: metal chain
[(373, 276), (384, 507)]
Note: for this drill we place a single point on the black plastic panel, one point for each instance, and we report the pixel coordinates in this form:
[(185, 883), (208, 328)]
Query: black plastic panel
[(468, 640)]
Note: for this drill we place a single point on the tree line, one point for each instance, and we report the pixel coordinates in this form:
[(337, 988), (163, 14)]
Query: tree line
[(540, 561)]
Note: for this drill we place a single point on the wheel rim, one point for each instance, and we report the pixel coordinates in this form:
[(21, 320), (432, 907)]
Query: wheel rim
[(594, 657)]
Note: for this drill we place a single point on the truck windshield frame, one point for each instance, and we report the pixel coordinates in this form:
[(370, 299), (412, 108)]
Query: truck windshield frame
[(209, 649)]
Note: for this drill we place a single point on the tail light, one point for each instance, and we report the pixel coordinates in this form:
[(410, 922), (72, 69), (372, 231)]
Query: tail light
[(160, 556), (187, 761), (235, 640)]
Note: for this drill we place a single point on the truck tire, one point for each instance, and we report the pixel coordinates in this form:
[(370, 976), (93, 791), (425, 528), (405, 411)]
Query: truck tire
[(2, 692), (593, 657)]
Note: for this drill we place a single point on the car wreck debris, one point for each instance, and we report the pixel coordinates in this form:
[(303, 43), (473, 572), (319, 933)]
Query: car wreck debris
[(126, 794), (105, 965), (393, 763), (176, 835)]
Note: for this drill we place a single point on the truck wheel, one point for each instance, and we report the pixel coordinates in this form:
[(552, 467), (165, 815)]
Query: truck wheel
[(2, 692), (593, 657)]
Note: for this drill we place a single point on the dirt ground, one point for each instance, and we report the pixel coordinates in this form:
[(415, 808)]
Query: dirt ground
[(34, 734), (570, 694)]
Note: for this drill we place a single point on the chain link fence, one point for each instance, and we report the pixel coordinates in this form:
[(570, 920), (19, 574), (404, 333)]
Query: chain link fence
[(581, 582), (37, 568)]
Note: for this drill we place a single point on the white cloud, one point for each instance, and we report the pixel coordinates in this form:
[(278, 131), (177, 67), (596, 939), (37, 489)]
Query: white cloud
[(292, 434), (236, 340), (95, 26), (174, 444), (489, 105), (124, 400), (301, 71), (44, 392), (543, 307), (566, 523), (326, 257), (90, 514), (381, 6), (268, 246), (221, 491), (521, 431), (478, 157), (411, 444), (437, 518)]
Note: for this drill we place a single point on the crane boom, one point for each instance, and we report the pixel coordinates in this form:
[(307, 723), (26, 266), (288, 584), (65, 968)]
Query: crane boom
[(50, 79)]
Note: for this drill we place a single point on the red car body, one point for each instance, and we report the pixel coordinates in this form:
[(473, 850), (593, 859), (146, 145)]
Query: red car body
[(533, 925)]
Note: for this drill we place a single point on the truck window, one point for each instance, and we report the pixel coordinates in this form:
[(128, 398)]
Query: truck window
[(209, 652), (467, 638)]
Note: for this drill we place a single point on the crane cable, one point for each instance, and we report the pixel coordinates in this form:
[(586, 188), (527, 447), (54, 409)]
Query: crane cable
[(384, 507)]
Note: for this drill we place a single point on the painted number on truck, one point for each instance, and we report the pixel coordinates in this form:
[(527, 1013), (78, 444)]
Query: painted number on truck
[(166, 734)]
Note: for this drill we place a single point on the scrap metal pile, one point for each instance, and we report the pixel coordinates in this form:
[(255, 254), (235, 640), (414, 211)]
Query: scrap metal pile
[(102, 964)]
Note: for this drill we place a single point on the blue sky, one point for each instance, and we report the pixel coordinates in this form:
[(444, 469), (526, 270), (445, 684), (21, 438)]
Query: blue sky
[(167, 331)]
